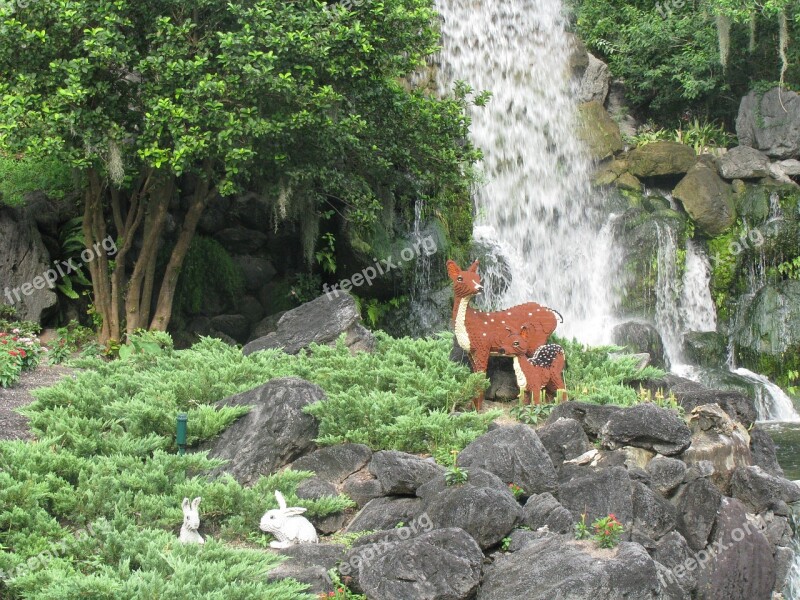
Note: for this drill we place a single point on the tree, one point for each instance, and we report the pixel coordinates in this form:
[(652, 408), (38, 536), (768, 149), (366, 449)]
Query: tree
[(159, 100)]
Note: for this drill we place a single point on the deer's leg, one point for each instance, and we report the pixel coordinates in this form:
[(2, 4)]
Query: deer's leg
[(479, 365), (526, 397)]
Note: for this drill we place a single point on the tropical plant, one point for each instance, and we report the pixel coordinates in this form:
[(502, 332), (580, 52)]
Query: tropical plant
[(455, 475), (607, 531)]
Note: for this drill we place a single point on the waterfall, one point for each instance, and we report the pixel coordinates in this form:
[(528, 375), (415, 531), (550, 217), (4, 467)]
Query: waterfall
[(792, 589), (697, 305), (536, 207), (668, 290), (772, 403)]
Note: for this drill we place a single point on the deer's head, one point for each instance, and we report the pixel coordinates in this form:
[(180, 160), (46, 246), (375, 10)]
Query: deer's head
[(465, 283), (514, 343)]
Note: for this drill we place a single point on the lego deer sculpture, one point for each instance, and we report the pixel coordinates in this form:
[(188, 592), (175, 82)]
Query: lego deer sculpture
[(544, 369), (479, 333)]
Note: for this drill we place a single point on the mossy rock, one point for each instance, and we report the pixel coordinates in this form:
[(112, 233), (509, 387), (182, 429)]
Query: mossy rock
[(770, 322), (626, 181), (658, 159), (706, 348), (707, 199), (598, 131), (753, 204), (656, 203)]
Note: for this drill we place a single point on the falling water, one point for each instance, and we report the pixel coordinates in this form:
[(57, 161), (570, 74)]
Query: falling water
[(697, 305), (772, 403), (668, 290), (536, 207)]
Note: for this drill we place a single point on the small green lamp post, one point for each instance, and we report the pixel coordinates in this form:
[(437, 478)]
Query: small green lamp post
[(181, 433)]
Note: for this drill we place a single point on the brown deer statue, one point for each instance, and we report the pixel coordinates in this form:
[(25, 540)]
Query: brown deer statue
[(544, 369), (479, 333)]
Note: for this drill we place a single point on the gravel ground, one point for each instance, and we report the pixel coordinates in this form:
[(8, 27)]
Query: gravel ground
[(14, 426)]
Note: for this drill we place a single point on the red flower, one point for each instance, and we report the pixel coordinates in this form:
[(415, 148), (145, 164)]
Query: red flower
[(22, 353)]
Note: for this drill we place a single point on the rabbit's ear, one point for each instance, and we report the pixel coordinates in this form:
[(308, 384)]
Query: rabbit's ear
[(295, 510), (196, 503), (185, 504), (281, 500)]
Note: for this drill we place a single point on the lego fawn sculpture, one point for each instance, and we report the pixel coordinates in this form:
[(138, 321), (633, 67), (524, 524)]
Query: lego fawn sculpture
[(479, 333), (545, 369)]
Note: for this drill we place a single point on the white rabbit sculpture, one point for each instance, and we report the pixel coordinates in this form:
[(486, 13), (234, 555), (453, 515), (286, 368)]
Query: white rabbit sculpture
[(287, 525), (191, 523)]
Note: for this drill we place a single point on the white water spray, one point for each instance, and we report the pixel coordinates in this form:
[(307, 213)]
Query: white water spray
[(772, 403), (536, 207)]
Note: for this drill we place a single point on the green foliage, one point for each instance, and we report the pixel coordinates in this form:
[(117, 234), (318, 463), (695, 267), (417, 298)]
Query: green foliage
[(305, 288), (531, 414), (581, 528), (20, 176), (373, 311), (341, 591), (607, 531), (69, 339), (70, 246), (455, 475), (195, 285), (505, 544), (516, 490), (790, 269), (593, 376), (701, 135), (326, 255), (146, 345), (668, 52)]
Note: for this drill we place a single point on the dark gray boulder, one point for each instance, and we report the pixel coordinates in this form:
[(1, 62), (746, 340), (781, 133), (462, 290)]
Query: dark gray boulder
[(23, 262), (543, 510), (385, 513), (239, 240), (320, 321), (665, 473), (691, 394), (475, 477), (402, 473), (647, 426), (234, 326), (760, 491), (309, 563), (362, 487), (770, 122), (742, 566), (672, 552), (257, 271), (315, 488), (592, 417), (335, 463), (516, 455), (696, 505), (564, 439), (743, 162), (487, 514), (762, 451), (641, 337), (598, 493), (440, 565), (275, 432), (653, 516), (554, 568)]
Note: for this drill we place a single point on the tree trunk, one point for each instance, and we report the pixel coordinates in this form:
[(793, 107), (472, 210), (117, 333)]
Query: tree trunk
[(94, 232), (137, 304), (166, 295)]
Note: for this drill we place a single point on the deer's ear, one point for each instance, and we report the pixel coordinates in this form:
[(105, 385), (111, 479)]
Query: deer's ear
[(523, 332), (453, 269), (473, 268)]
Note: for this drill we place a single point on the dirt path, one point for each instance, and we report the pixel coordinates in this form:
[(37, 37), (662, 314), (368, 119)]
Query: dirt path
[(14, 426)]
